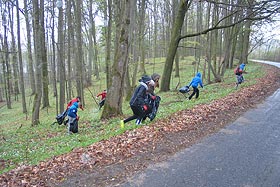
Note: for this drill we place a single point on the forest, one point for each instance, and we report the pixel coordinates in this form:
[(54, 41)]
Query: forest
[(53, 51)]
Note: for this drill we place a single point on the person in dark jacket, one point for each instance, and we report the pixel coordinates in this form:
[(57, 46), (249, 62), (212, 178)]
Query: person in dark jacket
[(72, 115), (138, 102), (194, 83)]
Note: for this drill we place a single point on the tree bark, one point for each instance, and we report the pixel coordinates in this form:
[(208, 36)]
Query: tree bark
[(38, 45), (113, 105), (175, 39), (22, 87), (29, 50), (61, 60)]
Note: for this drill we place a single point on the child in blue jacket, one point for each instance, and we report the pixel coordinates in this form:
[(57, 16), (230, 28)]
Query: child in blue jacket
[(194, 83), (72, 116)]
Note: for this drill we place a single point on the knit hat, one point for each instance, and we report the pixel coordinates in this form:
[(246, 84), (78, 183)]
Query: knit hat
[(145, 79)]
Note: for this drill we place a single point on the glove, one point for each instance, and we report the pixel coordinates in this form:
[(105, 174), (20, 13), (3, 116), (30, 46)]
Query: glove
[(153, 97), (78, 118), (145, 107)]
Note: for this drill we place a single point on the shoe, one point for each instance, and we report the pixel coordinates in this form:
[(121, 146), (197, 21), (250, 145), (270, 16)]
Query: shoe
[(122, 124), (138, 122)]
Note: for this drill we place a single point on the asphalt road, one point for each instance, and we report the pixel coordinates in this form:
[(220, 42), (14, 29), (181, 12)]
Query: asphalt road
[(245, 154)]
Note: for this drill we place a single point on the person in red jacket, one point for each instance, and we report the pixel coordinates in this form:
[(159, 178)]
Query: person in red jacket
[(103, 98), (76, 99)]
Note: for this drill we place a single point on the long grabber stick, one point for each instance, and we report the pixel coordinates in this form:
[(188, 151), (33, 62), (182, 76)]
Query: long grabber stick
[(93, 96)]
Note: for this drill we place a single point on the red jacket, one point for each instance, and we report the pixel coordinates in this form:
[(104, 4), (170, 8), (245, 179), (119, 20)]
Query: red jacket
[(103, 95), (73, 101)]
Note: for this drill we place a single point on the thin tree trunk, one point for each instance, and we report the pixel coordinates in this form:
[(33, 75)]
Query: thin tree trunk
[(108, 44), (29, 50), (79, 51), (61, 62), (45, 72), (22, 87), (38, 45), (14, 53)]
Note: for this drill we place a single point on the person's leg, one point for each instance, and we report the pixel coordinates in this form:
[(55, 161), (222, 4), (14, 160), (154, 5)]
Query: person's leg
[(135, 111), (101, 104), (193, 93), (197, 93), (130, 118), (70, 121)]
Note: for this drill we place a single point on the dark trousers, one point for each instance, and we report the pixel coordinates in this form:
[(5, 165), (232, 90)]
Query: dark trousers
[(138, 113), (195, 92), (101, 104)]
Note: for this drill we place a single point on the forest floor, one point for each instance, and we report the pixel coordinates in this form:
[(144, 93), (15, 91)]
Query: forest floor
[(111, 162)]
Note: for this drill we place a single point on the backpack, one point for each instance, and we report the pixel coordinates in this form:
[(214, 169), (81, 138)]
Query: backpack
[(237, 70)]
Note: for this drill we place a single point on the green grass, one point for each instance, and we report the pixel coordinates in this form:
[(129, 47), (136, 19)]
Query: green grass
[(23, 144)]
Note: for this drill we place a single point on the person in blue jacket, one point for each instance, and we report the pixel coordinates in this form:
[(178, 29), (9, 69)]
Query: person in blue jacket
[(72, 115), (194, 83)]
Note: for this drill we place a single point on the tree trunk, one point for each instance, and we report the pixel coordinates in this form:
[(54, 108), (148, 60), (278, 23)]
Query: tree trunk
[(6, 66), (141, 36), (61, 61), (175, 39), (108, 43), (113, 105), (14, 54), (29, 50), (45, 73), (38, 46), (79, 52), (70, 49), (22, 87)]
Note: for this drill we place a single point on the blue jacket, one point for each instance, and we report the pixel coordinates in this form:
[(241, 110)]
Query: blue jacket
[(72, 112), (196, 80), (242, 66)]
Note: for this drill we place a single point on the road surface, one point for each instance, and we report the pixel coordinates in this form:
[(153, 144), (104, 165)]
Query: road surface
[(245, 154)]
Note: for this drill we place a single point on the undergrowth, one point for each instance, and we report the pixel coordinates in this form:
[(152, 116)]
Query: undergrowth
[(23, 144)]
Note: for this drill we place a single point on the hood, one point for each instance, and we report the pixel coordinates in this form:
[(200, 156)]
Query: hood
[(198, 74), (242, 66), (145, 79)]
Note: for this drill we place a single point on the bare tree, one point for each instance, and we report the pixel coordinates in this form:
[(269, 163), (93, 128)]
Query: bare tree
[(113, 105), (29, 48), (22, 86), (175, 39)]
